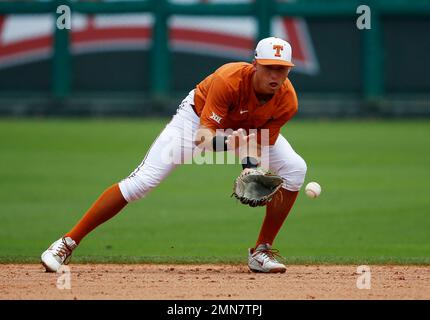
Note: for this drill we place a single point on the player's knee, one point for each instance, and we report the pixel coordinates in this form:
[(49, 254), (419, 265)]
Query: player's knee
[(294, 173), (130, 191), (136, 187)]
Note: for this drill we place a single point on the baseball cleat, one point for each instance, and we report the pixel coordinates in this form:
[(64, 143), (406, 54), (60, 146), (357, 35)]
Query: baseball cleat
[(262, 259), (58, 254)]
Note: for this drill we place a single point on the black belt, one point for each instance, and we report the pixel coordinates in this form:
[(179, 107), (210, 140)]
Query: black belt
[(194, 108)]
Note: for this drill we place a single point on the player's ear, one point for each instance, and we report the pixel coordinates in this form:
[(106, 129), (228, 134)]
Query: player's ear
[(254, 63), (287, 71)]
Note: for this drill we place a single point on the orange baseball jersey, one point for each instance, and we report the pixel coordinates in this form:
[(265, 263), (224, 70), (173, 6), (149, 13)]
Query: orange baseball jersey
[(226, 100)]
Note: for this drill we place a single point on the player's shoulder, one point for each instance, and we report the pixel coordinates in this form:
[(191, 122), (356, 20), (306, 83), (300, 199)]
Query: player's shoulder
[(288, 98), (233, 75), (288, 89), (288, 85)]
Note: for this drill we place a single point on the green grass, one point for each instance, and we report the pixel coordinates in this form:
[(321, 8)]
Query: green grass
[(374, 207)]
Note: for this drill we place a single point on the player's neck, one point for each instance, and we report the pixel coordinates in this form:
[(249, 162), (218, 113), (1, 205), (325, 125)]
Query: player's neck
[(261, 96)]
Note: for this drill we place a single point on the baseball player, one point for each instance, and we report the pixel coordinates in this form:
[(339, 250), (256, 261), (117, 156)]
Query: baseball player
[(238, 96)]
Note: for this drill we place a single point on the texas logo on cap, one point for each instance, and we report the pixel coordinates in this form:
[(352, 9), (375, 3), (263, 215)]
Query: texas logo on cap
[(273, 51)]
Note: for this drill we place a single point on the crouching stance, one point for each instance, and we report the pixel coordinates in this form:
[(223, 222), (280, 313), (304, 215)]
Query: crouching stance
[(243, 97)]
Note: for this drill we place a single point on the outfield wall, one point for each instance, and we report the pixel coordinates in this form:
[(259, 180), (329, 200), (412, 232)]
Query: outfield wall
[(109, 65)]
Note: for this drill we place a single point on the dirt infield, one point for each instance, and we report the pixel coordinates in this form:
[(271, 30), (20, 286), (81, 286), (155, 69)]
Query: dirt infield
[(110, 281)]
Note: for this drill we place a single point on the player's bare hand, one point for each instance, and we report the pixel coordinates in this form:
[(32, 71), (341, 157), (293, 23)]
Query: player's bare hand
[(238, 141)]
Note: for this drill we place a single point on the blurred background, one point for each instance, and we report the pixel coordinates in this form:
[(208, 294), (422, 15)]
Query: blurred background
[(81, 106), (141, 57)]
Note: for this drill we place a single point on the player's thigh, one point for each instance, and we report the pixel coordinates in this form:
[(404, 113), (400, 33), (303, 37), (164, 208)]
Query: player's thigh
[(171, 148), (154, 168), (287, 163)]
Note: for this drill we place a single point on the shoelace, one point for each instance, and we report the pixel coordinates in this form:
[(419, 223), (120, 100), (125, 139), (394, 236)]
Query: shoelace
[(62, 251), (271, 254)]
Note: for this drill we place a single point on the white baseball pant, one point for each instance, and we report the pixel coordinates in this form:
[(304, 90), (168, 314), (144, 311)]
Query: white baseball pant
[(177, 141)]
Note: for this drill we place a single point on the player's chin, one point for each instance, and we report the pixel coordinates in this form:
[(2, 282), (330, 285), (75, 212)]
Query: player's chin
[(271, 88)]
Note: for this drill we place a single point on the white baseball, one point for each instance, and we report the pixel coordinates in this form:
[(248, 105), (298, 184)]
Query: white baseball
[(313, 189)]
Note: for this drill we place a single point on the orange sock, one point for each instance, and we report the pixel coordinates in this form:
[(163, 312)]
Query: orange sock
[(106, 206), (276, 212)]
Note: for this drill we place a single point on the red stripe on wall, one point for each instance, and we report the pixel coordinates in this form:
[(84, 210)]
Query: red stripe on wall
[(2, 20), (139, 34), (298, 50), (24, 46)]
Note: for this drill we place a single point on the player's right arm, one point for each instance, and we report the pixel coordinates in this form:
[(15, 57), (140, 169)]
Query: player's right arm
[(209, 136), (204, 138), (244, 145), (212, 118)]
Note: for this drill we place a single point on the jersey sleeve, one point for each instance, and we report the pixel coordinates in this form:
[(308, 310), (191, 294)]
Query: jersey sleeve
[(216, 105)]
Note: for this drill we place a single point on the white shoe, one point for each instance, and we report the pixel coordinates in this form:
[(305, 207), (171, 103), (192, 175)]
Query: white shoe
[(58, 253), (262, 259)]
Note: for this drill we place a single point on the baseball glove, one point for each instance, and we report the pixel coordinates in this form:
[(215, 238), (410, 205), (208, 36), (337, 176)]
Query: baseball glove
[(255, 187)]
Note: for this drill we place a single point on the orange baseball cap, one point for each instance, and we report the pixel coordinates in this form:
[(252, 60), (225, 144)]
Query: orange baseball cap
[(273, 51)]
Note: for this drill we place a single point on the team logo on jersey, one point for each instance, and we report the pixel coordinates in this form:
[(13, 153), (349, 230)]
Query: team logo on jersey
[(216, 117)]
